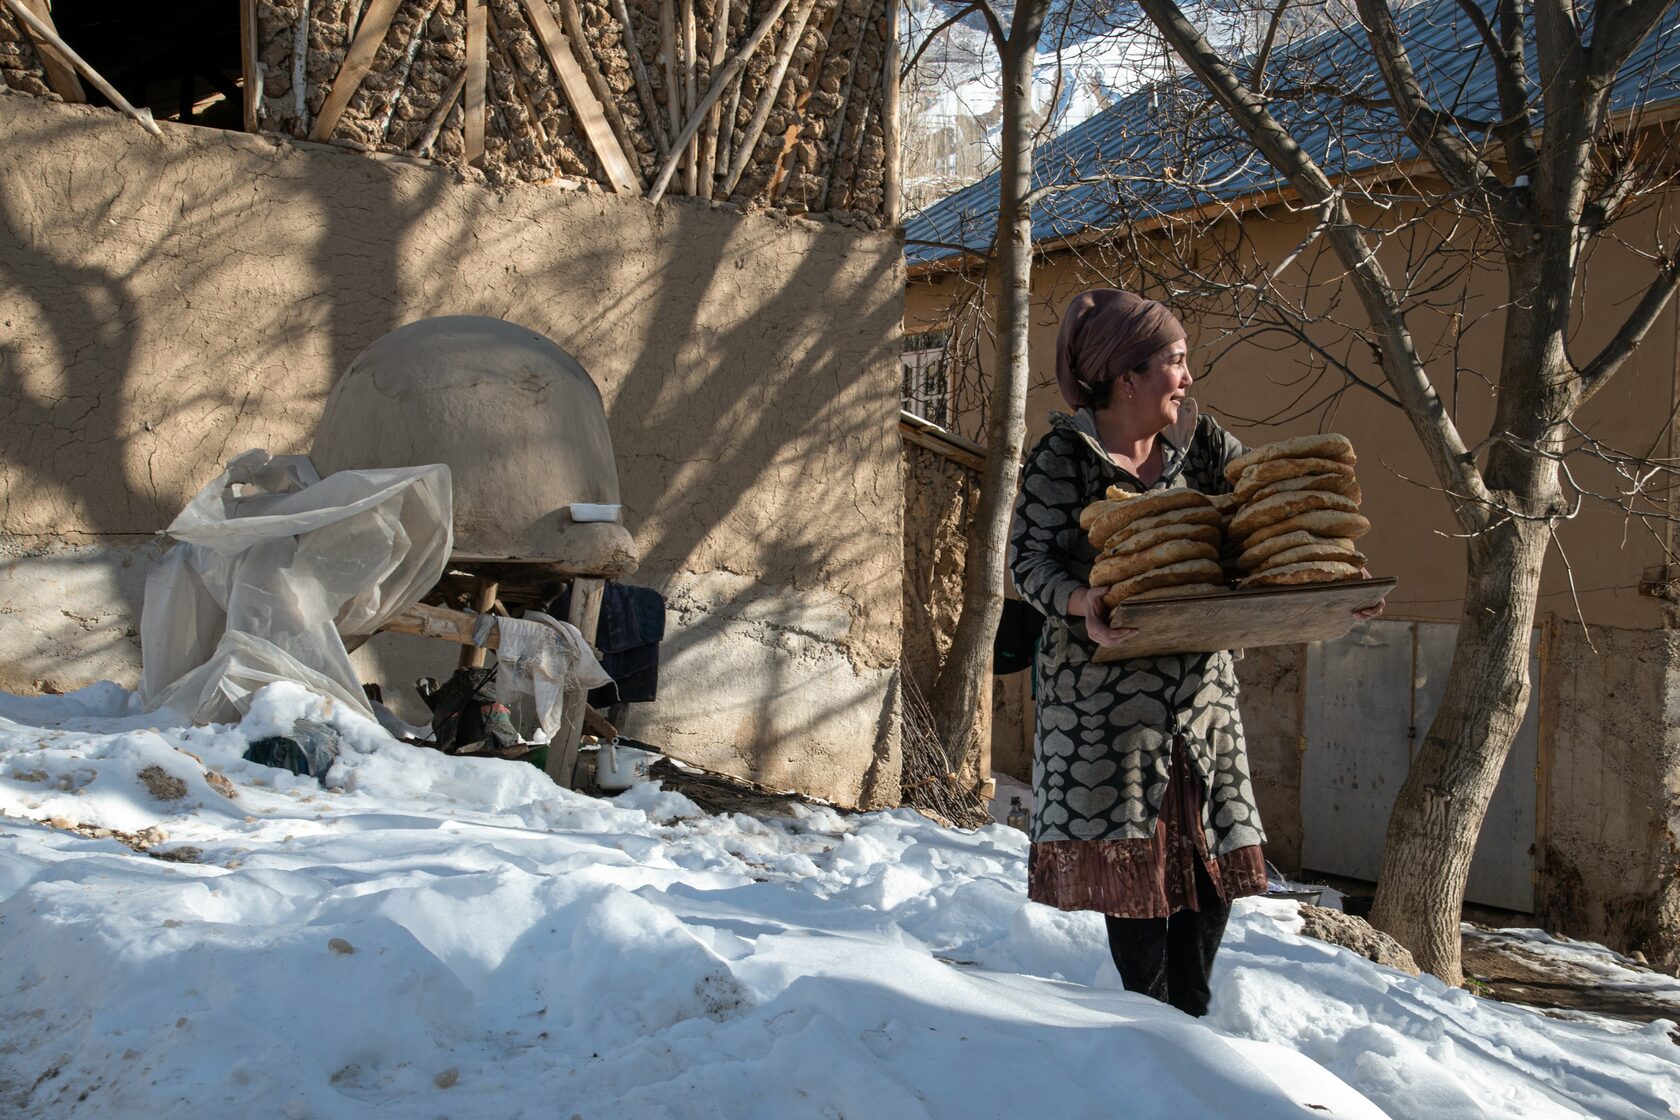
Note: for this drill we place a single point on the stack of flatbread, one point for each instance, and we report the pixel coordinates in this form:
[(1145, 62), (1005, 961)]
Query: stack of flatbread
[(1297, 513), (1157, 545)]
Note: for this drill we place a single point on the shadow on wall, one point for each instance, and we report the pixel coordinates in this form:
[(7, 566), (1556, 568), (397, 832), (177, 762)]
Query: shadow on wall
[(203, 300)]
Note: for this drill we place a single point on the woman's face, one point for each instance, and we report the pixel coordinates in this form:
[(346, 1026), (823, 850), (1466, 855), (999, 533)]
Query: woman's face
[(1158, 390)]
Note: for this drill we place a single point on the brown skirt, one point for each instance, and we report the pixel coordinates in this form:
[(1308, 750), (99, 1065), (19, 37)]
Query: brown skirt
[(1153, 877)]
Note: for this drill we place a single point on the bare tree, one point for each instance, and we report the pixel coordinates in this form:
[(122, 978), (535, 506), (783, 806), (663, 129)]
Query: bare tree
[(1529, 187)]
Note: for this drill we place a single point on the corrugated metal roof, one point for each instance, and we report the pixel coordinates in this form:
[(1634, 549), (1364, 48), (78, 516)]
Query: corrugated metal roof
[(1172, 127)]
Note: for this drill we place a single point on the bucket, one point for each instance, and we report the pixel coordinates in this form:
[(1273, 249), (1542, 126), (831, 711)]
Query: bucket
[(618, 767)]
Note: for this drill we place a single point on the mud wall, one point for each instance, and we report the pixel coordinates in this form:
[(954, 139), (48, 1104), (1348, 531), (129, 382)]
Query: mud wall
[(166, 304)]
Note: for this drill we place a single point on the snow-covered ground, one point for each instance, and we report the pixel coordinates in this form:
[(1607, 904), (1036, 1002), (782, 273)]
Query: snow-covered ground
[(439, 937)]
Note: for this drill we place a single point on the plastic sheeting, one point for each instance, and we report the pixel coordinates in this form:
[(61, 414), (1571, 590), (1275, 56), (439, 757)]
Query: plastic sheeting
[(279, 573)]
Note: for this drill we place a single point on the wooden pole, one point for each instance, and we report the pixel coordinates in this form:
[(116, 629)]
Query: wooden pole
[(690, 94), (891, 173), (719, 82), (434, 126), (802, 103), (766, 100), (573, 23), (709, 134), (478, 79), (483, 598), (644, 85), (358, 60), (586, 108), (584, 613), (41, 31), (673, 95), (836, 149), (250, 64)]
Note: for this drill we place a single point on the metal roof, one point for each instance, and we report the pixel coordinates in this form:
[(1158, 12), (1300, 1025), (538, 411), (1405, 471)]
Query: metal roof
[(1184, 152)]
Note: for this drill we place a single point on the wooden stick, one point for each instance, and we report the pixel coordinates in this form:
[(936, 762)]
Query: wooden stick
[(766, 100), (726, 144), (407, 68), (519, 86), (891, 174), (478, 77), (61, 75), (586, 109), (584, 613), (434, 126), (644, 85), (41, 31), (668, 48), (358, 60), (709, 134), (734, 66), (836, 149), (250, 64), (425, 621), (300, 74), (690, 93), (598, 82), (483, 598)]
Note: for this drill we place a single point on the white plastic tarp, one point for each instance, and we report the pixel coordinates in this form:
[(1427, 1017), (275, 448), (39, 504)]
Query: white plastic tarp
[(278, 573)]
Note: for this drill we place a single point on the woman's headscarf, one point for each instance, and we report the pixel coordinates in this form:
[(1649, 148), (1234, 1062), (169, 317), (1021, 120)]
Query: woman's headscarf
[(1105, 333)]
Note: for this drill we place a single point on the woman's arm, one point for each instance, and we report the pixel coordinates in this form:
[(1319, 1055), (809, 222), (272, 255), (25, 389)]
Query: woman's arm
[(1046, 529)]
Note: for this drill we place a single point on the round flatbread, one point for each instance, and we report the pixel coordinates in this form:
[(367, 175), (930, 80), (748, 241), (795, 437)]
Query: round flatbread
[(1088, 516), (1330, 446), (1320, 523), (1190, 571), (1278, 507), (1114, 569), (1179, 591), (1338, 551), (1276, 470), (1131, 539), (1255, 555), (1320, 572), (1146, 505), (1226, 504), (1335, 483), (1191, 515)]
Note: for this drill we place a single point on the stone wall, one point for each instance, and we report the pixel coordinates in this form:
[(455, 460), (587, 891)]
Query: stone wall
[(166, 304)]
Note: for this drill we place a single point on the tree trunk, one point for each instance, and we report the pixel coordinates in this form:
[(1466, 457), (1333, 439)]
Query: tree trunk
[(1438, 815), (958, 692)]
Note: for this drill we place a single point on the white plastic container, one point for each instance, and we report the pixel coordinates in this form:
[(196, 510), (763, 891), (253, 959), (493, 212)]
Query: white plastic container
[(618, 767)]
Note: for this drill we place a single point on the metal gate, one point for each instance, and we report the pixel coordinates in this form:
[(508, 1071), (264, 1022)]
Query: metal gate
[(1369, 698)]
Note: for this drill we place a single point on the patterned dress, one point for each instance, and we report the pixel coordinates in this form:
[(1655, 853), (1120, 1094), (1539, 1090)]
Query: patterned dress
[(1140, 772)]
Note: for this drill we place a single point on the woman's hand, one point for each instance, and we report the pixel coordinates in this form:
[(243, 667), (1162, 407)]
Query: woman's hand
[(1368, 612), (1087, 603)]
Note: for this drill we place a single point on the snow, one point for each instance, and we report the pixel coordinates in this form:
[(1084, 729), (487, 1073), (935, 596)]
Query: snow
[(426, 936)]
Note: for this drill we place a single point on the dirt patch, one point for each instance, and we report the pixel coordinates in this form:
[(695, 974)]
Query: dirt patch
[(1505, 969), (162, 784)]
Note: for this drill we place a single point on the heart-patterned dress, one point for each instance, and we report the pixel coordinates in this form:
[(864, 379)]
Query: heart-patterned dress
[(1140, 770)]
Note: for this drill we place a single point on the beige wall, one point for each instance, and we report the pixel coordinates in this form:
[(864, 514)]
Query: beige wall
[(165, 304)]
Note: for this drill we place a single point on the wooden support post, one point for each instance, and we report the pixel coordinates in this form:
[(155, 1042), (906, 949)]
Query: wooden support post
[(673, 95), (483, 598), (709, 134), (644, 85), (250, 65), (61, 74), (584, 613), (478, 79), (890, 175), (358, 60), (586, 109)]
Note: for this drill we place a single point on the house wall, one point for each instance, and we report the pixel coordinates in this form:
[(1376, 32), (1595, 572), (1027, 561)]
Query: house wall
[(166, 304)]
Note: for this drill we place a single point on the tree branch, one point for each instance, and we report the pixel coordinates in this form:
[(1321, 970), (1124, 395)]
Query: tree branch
[(927, 40), (1633, 330), (1258, 78), (1435, 428)]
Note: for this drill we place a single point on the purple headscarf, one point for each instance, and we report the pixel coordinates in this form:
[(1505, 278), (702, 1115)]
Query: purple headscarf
[(1105, 333)]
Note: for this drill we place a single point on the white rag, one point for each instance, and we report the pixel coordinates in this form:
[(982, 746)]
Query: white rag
[(542, 658)]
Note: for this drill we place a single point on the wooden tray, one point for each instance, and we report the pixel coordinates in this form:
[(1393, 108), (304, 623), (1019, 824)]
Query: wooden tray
[(1263, 616)]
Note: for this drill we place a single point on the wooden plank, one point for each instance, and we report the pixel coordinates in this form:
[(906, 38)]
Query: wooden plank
[(586, 110), (249, 64), (604, 94), (358, 60), (61, 75), (1265, 616), (474, 93), (944, 448), (584, 612)]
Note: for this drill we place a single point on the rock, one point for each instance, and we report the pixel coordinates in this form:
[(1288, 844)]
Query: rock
[(1358, 935), (447, 1078), (341, 946)]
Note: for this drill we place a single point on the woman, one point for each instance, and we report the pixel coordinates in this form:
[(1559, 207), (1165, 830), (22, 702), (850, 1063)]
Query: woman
[(1142, 805)]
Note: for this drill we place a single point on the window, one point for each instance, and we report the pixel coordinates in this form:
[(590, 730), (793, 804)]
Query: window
[(926, 384)]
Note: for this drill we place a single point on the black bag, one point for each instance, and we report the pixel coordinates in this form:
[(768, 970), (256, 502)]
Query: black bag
[(466, 717)]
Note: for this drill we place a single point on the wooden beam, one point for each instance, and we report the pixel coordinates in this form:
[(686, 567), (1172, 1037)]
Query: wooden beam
[(250, 64), (61, 75), (709, 134), (483, 598), (668, 53), (719, 83), (426, 621), (584, 612), (358, 60), (766, 101), (891, 174), (478, 80), (585, 108), (598, 83), (644, 86), (690, 95)]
